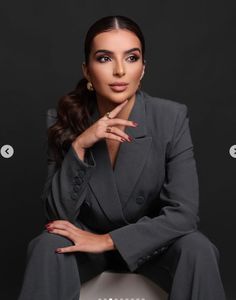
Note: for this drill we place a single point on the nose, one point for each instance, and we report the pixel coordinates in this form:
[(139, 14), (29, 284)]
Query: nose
[(119, 69)]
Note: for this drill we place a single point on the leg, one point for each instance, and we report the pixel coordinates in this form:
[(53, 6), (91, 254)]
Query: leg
[(53, 276), (188, 269)]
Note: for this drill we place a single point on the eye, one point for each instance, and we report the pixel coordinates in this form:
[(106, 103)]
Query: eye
[(104, 58), (134, 58), (99, 58)]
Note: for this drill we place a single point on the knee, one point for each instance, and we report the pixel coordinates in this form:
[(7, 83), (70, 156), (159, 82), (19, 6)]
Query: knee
[(197, 246), (48, 241)]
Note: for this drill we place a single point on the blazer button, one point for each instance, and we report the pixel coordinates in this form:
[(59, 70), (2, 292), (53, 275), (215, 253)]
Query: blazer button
[(79, 181), (87, 203), (140, 200), (76, 188), (74, 196), (76, 179)]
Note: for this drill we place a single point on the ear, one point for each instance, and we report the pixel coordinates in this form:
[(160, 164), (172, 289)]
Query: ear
[(142, 72), (85, 71)]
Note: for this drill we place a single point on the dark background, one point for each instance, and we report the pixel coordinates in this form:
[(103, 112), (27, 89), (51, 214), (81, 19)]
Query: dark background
[(190, 59)]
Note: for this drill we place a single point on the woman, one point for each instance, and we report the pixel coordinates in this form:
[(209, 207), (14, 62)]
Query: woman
[(122, 185)]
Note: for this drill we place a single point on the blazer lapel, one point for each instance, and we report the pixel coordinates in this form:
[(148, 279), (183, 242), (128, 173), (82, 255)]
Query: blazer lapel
[(113, 188), (132, 156)]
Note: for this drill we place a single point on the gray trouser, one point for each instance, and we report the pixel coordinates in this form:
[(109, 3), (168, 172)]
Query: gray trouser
[(187, 270)]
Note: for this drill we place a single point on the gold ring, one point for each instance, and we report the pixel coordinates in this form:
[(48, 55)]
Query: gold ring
[(108, 129), (108, 115)]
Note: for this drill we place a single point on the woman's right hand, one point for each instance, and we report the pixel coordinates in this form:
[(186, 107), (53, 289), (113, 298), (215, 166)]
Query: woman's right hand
[(97, 131)]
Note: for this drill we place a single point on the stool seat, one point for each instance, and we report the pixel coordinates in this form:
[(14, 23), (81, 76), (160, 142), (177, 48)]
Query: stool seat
[(121, 286)]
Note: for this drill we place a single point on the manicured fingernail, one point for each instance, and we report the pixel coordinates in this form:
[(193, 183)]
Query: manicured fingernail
[(58, 250), (136, 124), (130, 138)]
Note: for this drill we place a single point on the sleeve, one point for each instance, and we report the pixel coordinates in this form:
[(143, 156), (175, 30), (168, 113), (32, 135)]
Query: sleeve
[(179, 199), (66, 186)]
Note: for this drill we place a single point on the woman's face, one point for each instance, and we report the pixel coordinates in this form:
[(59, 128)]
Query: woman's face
[(115, 57)]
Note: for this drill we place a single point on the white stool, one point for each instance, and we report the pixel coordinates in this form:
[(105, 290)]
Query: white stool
[(121, 286)]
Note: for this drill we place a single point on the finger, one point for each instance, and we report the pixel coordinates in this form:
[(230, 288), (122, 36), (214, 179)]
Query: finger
[(62, 224), (62, 232), (61, 229), (117, 109), (67, 249), (119, 133), (117, 121), (114, 137)]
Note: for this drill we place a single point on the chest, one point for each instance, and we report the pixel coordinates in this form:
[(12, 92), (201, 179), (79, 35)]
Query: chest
[(113, 149)]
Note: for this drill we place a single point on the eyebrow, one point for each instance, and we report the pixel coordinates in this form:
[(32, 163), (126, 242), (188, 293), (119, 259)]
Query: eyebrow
[(110, 52)]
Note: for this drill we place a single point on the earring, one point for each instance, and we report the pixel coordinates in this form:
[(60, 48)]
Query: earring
[(90, 86), (142, 75)]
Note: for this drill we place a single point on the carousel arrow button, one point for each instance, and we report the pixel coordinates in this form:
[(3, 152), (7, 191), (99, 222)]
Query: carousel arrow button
[(7, 151)]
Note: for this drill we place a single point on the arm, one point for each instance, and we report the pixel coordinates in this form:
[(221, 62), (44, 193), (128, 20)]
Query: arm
[(66, 186), (179, 195)]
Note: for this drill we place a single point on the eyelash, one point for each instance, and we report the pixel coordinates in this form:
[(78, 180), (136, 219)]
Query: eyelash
[(104, 56)]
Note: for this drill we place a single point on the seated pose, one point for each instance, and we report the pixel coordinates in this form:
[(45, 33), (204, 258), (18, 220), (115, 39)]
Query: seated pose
[(122, 186)]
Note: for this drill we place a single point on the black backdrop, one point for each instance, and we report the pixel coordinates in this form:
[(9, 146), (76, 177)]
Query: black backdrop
[(190, 59)]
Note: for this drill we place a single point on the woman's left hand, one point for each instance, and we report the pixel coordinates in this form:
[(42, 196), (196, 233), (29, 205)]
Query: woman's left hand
[(84, 241)]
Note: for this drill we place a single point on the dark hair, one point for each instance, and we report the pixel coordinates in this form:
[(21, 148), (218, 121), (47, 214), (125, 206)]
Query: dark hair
[(75, 108)]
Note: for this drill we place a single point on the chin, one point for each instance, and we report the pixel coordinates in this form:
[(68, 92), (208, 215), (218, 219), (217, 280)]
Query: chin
[(117, 97), (121, 96)]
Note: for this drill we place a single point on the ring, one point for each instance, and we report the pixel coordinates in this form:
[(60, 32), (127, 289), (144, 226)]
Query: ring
[(108, 129), (108, 115)]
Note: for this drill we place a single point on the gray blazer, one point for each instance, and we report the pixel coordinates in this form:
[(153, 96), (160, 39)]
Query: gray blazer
[(152, 196)]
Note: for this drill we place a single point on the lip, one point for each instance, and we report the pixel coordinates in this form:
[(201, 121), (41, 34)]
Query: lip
[(118, 84), (119, 88)]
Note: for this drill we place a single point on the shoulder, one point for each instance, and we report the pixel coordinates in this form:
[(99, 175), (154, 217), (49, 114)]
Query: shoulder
[(164, 115), (161, 106)]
